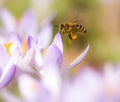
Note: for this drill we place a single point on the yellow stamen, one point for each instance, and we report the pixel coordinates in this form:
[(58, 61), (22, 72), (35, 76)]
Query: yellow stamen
[(43, 53), (7, 46), (25, 46)]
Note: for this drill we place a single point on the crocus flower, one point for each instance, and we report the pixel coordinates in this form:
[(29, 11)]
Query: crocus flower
[(87, 86), (50, 73), (9, 52), (23, 27), (36, 53), (41, 62), (110, 83), (91, 86), (8, 62), (84, 87), (18, 33), (27, 25), (35, 46)]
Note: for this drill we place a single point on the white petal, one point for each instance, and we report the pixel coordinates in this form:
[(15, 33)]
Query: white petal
[(29, 56), (38, 58), (52, 81), (23, 66), (58, 41), (78, 59), (28, 87)]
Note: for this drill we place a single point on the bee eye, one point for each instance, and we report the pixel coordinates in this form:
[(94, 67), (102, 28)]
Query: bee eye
[(67, 26), (62, 25)]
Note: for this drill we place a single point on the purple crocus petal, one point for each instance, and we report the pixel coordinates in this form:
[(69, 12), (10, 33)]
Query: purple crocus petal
[(9, 69), (89, 78), (31, 42), (58, 41), (78, 59), (13, 37), (51, 62), (44, 37), (4, 57), (15, 40), (53, 57), (7, 76), (28, 23), (83, 88), (2, 37), (8, 20), (0, 72)]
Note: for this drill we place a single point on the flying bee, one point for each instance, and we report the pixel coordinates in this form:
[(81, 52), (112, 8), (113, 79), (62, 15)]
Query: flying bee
[(72, 30)]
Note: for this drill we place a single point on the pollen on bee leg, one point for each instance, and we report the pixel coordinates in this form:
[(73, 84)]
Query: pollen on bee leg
[(74, 37)]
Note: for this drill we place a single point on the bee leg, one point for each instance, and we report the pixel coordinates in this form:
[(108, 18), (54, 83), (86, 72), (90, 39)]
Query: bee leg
[(70, 38)]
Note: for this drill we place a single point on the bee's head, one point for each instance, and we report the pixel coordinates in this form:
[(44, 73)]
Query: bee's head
[(62, 26)]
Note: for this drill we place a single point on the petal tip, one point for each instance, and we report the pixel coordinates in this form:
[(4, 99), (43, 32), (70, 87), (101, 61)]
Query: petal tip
[(78, 59)]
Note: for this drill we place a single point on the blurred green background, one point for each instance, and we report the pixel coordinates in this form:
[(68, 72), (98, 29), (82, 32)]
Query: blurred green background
[(100, 17)]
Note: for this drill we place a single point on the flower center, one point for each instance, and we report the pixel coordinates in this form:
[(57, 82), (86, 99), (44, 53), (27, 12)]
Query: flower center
[(24, 46), (43, 52), (7, 46)]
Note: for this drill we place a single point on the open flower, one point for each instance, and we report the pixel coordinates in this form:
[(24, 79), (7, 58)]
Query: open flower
[(32, 59), (8, 62), (35, 56), (87, 86), (51, 82)]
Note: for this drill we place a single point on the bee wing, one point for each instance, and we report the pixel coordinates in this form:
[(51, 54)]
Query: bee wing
[(56, 25), (76, 20)]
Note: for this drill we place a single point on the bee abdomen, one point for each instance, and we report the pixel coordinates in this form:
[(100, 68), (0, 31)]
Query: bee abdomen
[(82, 29)]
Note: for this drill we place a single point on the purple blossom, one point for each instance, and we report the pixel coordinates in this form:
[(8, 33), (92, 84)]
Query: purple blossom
[(51, 71), (87, 86), (27, 24), (35, 45), (7, 66), (41, 77)]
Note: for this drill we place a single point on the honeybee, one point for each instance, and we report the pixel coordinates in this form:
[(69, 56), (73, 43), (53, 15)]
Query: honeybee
[(72, 30)]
